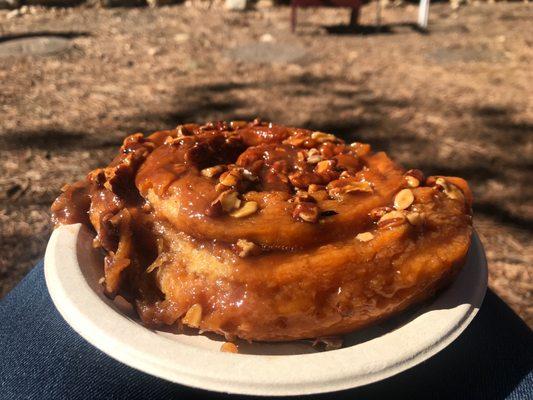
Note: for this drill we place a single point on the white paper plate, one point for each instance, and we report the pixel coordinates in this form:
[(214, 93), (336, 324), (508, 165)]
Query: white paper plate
[(73, 268)]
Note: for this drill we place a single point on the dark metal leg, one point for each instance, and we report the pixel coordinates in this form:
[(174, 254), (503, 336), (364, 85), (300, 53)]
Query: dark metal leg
[(293, 18), (378, 15), (354, 16)]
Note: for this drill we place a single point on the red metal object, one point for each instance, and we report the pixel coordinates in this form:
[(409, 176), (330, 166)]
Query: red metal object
[(355, 5)]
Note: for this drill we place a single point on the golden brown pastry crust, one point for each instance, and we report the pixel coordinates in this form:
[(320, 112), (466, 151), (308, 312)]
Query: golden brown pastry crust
[(267, 232)]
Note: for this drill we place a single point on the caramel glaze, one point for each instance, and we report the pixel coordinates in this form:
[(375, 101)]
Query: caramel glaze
[(169, 245)]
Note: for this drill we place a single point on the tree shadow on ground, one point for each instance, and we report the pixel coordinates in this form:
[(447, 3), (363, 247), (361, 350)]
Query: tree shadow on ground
[(62, 34), (55, 139), (355, 113), (246, 100), (370, 30)]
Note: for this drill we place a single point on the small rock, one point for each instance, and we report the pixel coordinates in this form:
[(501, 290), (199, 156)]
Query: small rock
[(181, 37), (262, 4), (266, 38), (235, 5), (9, 4), (153, 51), (34, 46), (272, 53), (159, 3), (294, 69), (13, 14)]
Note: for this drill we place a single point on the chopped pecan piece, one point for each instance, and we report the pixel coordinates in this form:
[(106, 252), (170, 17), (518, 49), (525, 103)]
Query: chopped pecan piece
[(297, 140), (393, 218), (237, 124), (228, 347), (347, 162), (185, 130), (340, 187), (302, 179), (209, 126), (211, 172), (302, 197), (307, 212), (225, 202), (415, 173), (231, 178), (323, 166), (322, 137), (415, 218), (360, 149), (249, 175), (403, 199), (411, 181), (247, 209), (314, 156), (193, 317), (345, 175), (326, 169), (379, 212), (313, 188), (246, 248), (450, 190), (364, 236)]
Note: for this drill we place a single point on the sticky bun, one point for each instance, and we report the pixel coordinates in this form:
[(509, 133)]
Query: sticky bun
[(266, 232)]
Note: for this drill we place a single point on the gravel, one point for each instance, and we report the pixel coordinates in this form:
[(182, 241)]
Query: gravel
[(456, 101)]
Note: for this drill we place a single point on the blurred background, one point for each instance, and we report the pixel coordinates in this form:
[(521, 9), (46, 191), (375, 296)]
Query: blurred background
[(457, 99)]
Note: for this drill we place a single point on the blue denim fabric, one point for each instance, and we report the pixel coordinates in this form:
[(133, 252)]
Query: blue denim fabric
[(41, 357)]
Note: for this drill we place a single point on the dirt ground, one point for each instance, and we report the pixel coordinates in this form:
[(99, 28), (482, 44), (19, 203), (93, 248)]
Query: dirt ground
[(455, 101)]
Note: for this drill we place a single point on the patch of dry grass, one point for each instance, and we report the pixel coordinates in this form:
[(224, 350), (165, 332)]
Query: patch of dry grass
[(456, 101)]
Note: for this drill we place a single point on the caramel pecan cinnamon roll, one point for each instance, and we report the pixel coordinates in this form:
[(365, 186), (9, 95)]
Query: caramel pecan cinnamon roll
[(266, 232)]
